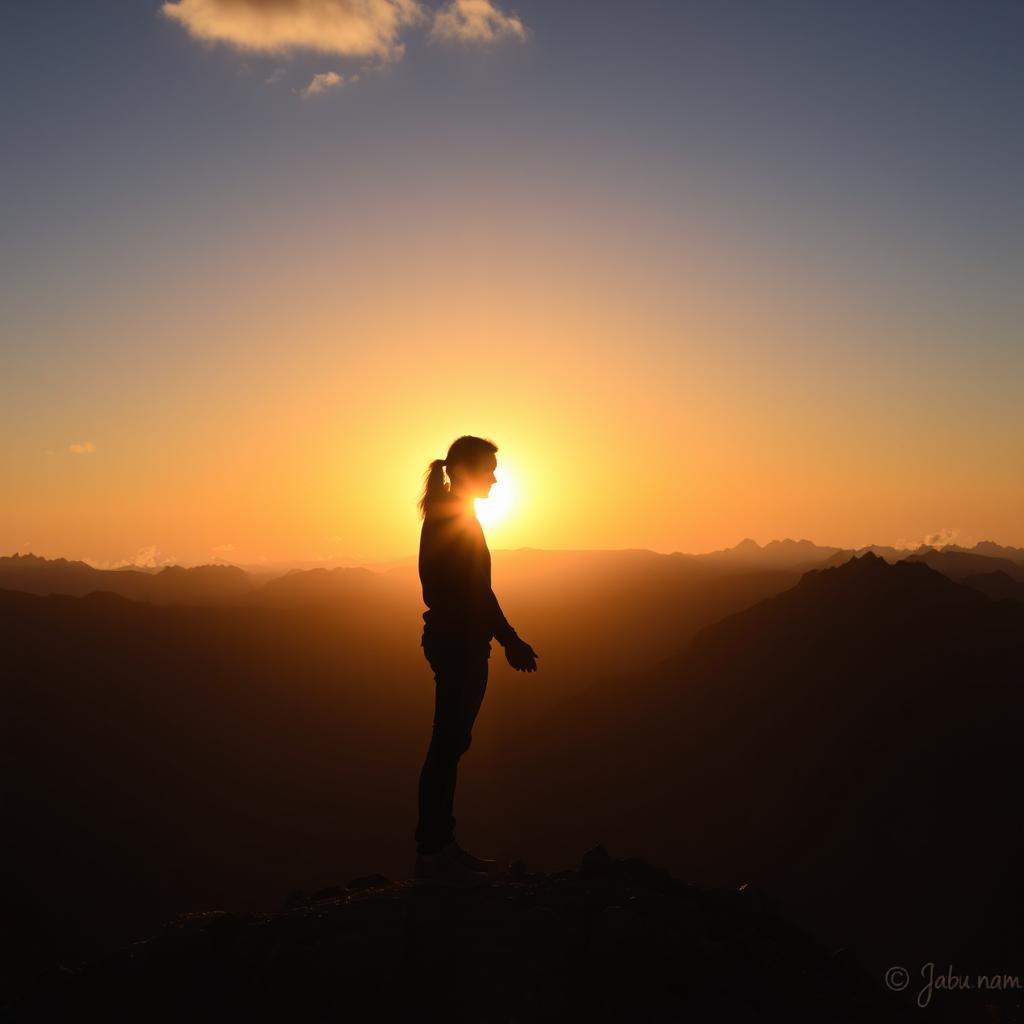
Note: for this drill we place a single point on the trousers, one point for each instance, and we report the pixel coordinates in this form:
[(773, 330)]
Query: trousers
[(460, 681)]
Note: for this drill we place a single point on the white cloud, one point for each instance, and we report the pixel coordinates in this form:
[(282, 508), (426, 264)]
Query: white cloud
[(324, 81), (475, 21), (82, 448), (351, 28), (274, 77), (939, 539), (151, 557), (942, 537)]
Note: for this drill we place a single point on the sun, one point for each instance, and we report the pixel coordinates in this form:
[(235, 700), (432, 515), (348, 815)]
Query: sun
[(497, 507)]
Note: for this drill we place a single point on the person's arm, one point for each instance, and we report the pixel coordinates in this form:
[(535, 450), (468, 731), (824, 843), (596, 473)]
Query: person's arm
[(519, 654), (439, 567), (501, 628)]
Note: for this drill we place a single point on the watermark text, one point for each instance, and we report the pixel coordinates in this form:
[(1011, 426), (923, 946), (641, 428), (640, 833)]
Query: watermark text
[(934, 979)]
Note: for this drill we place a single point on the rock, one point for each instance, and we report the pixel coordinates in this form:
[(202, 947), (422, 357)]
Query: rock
[(595, 860), (758, 899), (332, 892), (517, 870), (617, 941), (368, 882)]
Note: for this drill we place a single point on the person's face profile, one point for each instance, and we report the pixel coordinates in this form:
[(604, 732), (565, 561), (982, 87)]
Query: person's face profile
[(476, 483)]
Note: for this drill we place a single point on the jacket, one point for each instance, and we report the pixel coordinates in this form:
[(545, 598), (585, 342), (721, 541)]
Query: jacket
[(455, 573)]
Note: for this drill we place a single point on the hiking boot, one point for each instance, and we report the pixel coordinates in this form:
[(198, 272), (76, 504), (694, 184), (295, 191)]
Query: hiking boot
[(470, 860), (440, 869)]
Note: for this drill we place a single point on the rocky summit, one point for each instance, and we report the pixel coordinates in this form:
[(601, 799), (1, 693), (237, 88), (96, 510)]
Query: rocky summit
[(615, 939)]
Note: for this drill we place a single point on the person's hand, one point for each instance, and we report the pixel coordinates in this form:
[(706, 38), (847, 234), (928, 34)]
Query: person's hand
[(521, 656)]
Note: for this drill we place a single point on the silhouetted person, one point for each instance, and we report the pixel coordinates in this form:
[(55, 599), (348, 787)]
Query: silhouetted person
[(461, 618)]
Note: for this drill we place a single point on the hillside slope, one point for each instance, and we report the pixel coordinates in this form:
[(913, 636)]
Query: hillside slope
[(614, 940)]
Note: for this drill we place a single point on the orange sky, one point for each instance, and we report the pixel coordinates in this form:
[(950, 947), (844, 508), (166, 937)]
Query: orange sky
[(632, 410), (239, 321)]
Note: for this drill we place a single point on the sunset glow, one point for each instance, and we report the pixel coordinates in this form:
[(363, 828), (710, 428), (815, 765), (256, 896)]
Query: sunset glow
[(499, 505), (242, 311)]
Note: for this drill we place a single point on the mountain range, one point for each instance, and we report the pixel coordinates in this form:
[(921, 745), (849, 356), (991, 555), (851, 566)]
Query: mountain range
[(221, 583), (843, 738)]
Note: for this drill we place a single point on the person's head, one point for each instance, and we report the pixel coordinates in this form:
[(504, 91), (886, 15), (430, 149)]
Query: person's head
[(470, 463)]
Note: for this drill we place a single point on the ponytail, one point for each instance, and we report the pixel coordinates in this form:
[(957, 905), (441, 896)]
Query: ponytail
[(466, 451), (435, 489)]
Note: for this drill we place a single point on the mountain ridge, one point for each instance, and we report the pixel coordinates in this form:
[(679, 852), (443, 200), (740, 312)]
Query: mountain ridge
[(218, 583)]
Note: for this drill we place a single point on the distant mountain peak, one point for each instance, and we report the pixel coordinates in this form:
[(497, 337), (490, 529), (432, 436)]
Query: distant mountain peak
[(871, 558), (38, 561), (873, 573), (869, 563), (208, 568)]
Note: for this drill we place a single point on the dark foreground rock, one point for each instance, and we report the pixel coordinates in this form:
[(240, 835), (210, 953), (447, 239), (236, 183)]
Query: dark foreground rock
[(615, 940)]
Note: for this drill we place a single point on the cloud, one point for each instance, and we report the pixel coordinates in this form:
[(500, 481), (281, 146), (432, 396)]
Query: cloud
[(351, 28), (475, 21), (324, 81), (942, 537), (151, 557), (82, 448), (274, 77), (939, 539)]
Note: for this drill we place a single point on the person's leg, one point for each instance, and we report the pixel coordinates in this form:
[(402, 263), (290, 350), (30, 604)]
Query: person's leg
[(460, 687), (471, 695)]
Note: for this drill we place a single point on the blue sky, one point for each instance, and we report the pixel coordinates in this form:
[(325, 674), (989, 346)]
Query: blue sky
[(856, 115)]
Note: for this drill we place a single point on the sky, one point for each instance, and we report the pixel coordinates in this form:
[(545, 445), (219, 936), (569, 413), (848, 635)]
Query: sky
[(702, 271)]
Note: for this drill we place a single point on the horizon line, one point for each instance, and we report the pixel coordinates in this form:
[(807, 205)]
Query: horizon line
[(299, 564)]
